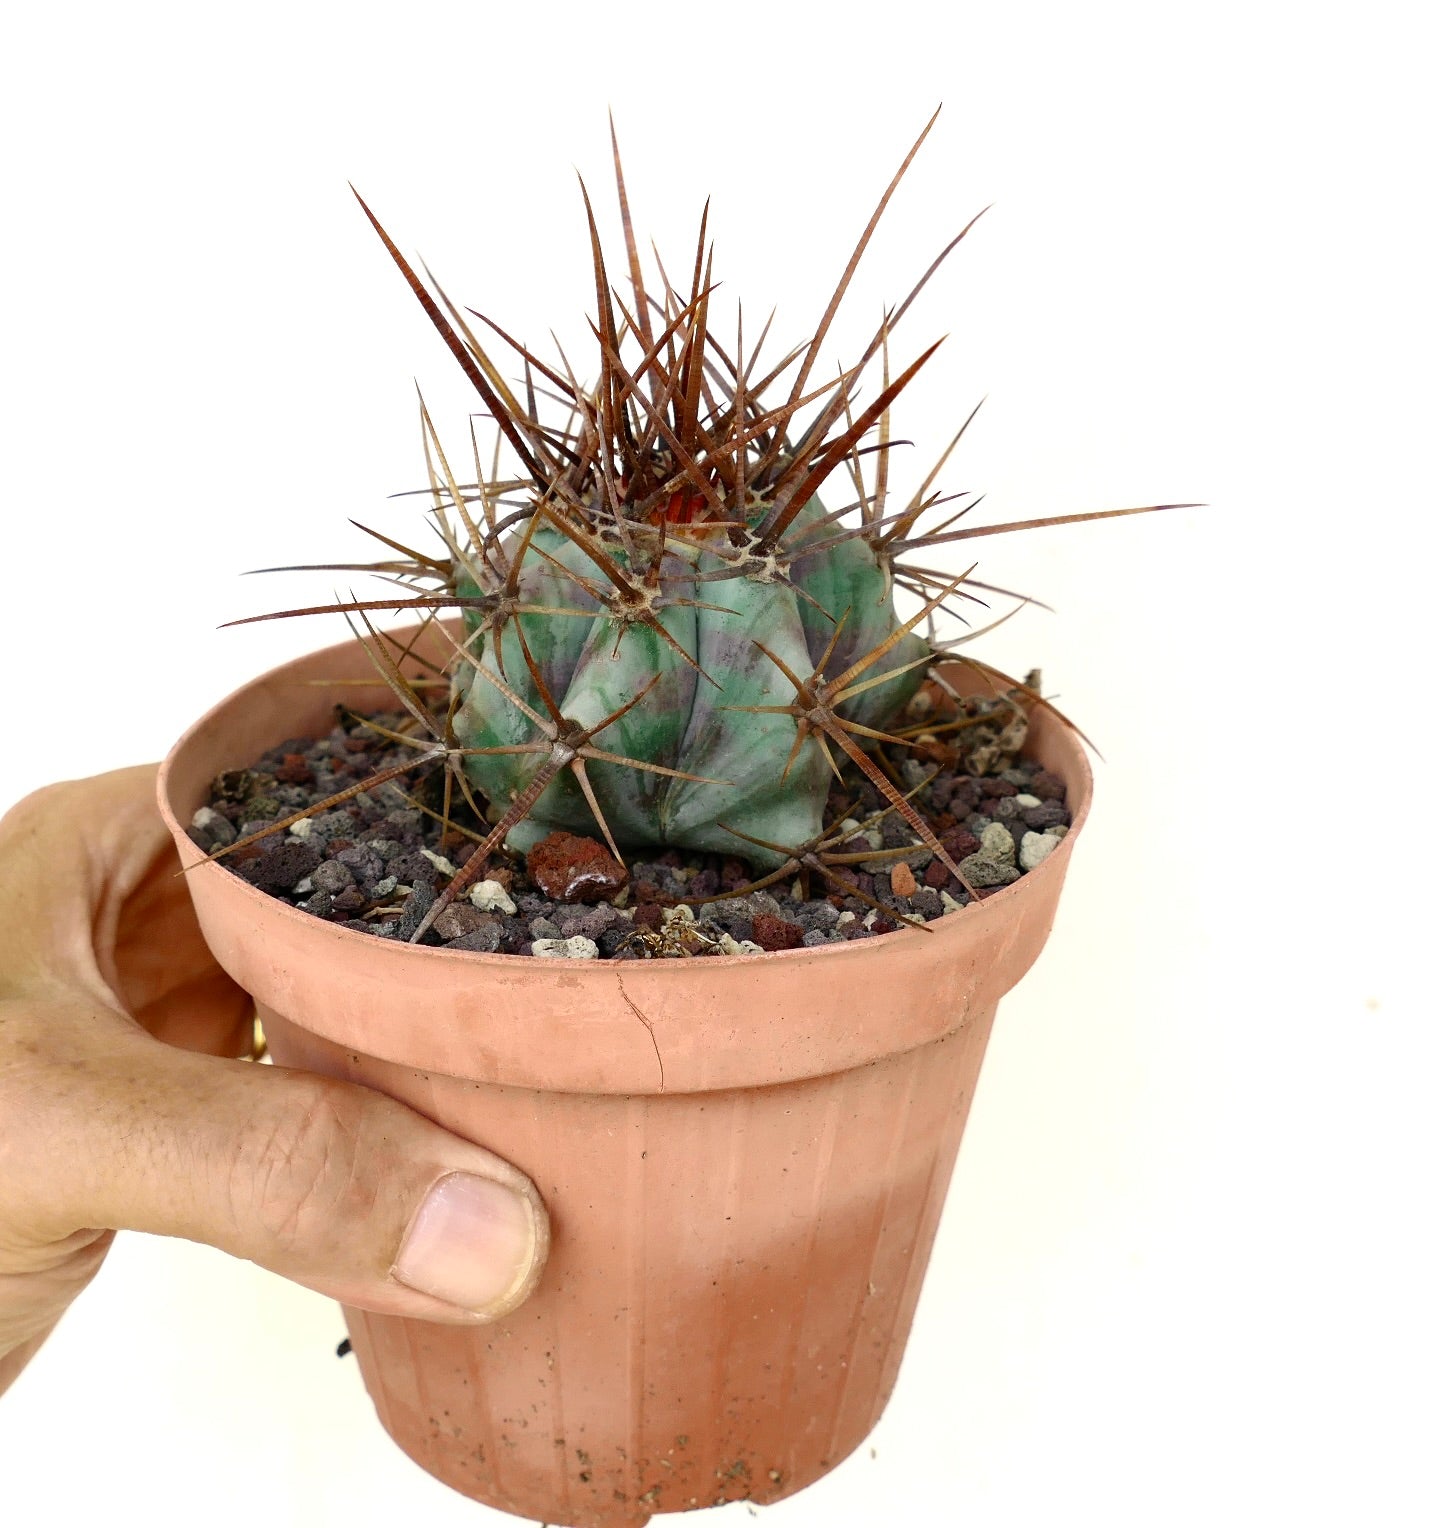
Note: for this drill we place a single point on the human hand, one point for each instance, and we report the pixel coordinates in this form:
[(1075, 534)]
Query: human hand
[(122, 1105)]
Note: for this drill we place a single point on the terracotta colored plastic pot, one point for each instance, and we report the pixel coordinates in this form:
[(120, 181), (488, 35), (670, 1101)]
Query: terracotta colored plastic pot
[(744, 1159)]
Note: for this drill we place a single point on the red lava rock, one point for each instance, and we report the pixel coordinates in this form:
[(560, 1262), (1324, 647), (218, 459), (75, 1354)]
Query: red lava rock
[(936, 875), (572, 869), (294, 770), (904, 883), (934, 752), (775, 933), (995, 786), (734, 874), (648, 915), (966, 795), (1047, 786), (960, 844)]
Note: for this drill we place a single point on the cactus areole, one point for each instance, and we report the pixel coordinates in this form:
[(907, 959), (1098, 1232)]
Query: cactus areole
[(679, 616)]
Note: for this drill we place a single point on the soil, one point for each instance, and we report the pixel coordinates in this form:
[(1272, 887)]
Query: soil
[(376, 863)]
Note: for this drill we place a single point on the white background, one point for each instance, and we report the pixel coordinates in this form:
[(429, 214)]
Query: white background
[(1184, 1273)]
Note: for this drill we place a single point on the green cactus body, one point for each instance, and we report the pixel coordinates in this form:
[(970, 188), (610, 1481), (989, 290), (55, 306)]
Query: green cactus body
[(594, 664)]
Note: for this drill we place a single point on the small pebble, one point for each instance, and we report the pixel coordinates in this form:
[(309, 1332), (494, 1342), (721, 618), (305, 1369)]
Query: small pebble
[(577, 948), (904, 883), (416, 904), (282, 868), (1034, 849), (332, 876), (1047, 786), (981, 871), (488, 896), (570, 868), (998, 844), (730, 946), (458, 919), (773, 933), (484, 940), (216, 828)]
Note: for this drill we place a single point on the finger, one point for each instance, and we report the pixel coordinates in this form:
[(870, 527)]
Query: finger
[(324, 1182), (98, 900)]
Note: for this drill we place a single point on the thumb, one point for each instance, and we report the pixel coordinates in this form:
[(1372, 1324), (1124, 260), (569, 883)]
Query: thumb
[(327, 1183)]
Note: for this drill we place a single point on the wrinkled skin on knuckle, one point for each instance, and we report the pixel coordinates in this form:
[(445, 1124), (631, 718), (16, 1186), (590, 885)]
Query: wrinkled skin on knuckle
[(304, 1177)]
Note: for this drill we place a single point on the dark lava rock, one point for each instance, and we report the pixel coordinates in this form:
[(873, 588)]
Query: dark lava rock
[(486, 937), (982, 872), (1049, 814), (416, 904), (332, 876), (282, 868), (459, 919)]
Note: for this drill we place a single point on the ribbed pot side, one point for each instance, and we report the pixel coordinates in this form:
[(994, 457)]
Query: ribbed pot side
[(744, 1159)]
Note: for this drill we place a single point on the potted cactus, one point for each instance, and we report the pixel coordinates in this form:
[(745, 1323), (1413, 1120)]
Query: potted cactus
[(667, 635)]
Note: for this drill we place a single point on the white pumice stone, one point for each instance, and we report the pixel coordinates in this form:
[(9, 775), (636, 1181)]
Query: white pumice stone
[(489, 896), (439, 862), (579, 947), (1035, 847)]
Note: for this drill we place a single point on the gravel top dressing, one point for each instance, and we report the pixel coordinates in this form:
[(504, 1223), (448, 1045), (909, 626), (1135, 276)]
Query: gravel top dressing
[(376, 863)]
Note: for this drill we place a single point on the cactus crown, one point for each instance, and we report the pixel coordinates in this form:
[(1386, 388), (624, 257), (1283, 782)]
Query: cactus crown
[(668, 636)]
